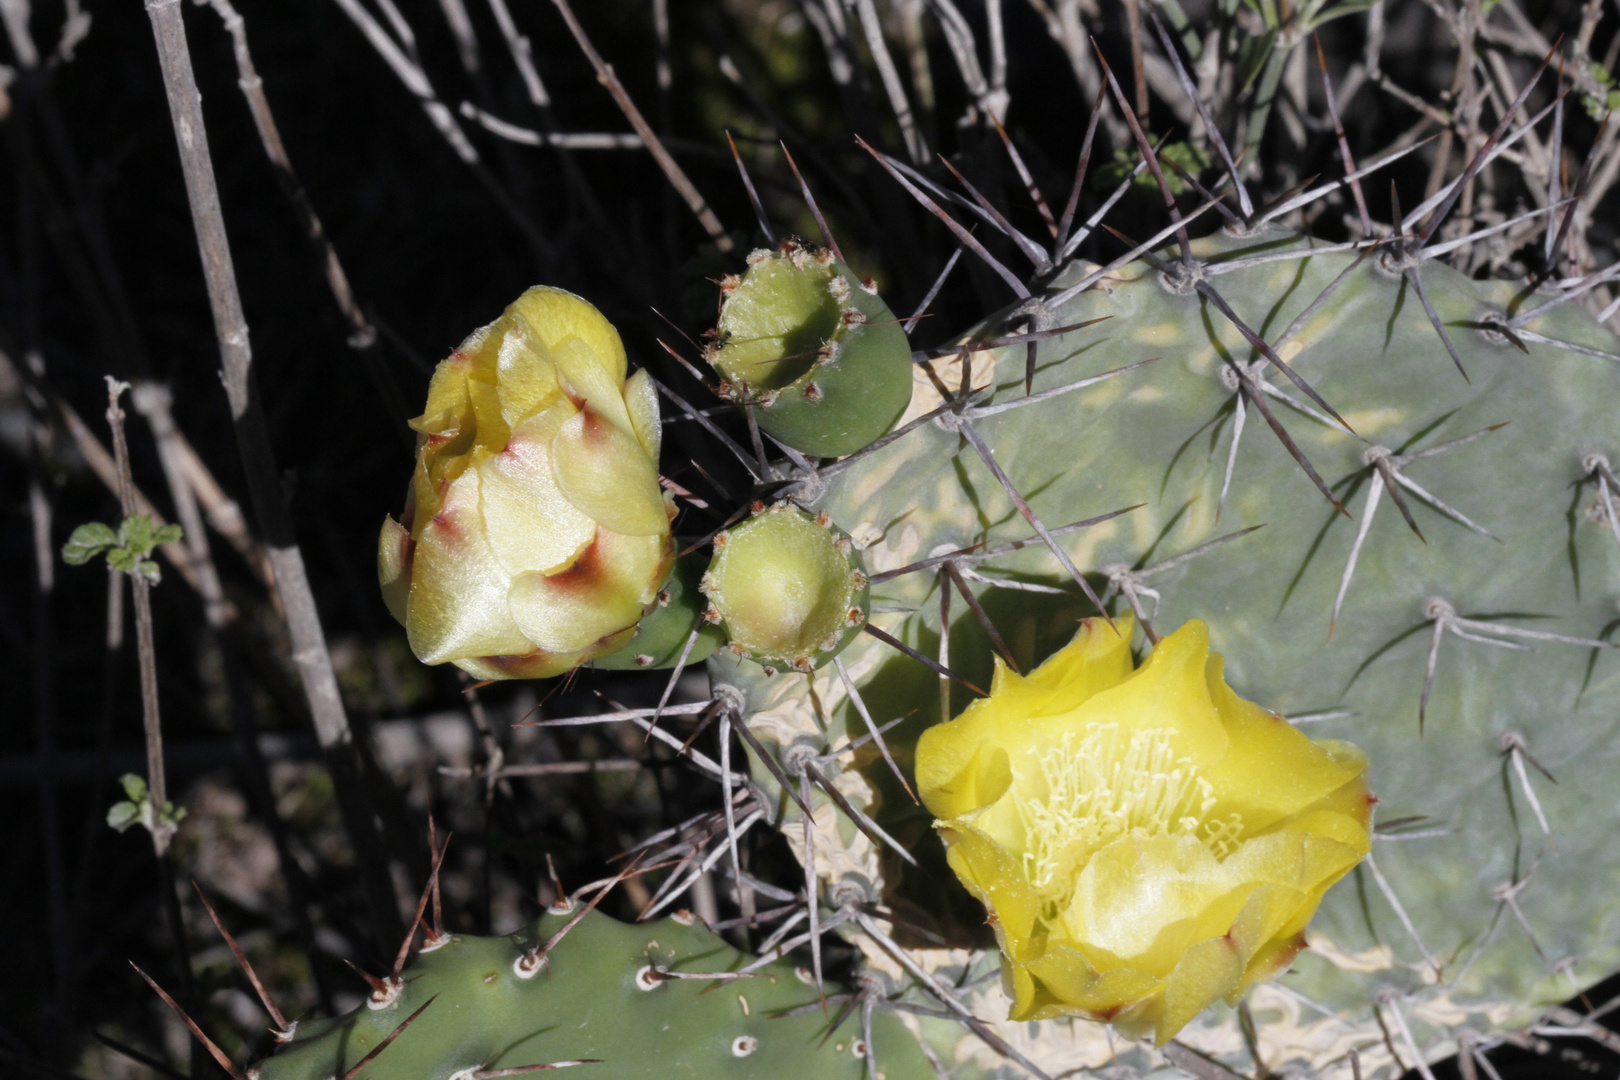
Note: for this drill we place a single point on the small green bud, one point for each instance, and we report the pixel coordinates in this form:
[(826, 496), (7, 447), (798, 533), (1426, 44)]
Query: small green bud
[(789, 588), (813, 349)]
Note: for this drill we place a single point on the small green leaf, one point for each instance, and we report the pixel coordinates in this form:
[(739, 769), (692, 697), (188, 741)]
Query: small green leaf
[(122, 559), (134, 786), (149, 570), (87, 541), (122, 815), (172, 814), (169, 534), (135, 533)]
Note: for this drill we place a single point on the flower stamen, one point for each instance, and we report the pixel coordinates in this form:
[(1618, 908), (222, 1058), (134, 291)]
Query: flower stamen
[(1103, 786)]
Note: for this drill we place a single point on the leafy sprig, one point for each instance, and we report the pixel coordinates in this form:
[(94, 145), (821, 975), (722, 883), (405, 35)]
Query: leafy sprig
[(126, 550), (138, 809)]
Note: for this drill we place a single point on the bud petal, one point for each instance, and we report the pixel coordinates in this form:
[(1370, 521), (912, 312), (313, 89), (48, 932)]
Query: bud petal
[(602, 593), (531, 525), (457, 604), (394, 556), (603, 470)]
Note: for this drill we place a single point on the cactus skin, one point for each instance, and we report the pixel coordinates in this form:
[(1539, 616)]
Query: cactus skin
[(1161, 436), (813, 349), (586, 1002), (660, 637), (788, 588)]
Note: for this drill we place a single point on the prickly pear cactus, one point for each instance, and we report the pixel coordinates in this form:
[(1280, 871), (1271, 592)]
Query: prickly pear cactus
[(621, 1000), (1465, 648)]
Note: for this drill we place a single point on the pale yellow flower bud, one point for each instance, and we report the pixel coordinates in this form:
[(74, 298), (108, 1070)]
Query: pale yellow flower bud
[(1145, 841), (535, 533)]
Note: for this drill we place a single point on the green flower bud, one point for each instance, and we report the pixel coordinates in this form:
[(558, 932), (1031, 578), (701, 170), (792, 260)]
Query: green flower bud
[(813, 349), (788, 587)]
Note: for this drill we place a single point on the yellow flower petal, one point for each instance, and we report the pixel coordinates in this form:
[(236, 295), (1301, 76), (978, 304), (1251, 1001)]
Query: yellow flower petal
[(1167, 693), (551, 316), (641, 400), (447, 400), (1134, 889), (995, 875), (1069, 978), (488, 414), (530, 524), (1097, 659), (1207, 971), (1274, 769), (394, 567), (1146, 842), (527, 379)]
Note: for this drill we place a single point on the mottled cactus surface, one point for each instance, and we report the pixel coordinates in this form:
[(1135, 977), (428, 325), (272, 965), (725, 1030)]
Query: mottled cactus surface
[(1463, 661), (624, 1001)]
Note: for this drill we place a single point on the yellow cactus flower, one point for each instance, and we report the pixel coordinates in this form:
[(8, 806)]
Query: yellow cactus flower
[(1145, 841), (535, 532)]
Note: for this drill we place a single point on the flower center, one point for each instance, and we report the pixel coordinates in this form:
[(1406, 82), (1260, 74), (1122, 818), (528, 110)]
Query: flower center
[(1100, 787)]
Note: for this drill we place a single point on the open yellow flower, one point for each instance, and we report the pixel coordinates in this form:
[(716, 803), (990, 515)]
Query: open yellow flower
[(535, 533), (1145, 841)]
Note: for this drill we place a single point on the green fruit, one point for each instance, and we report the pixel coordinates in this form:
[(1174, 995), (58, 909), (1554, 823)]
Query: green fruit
[(788, 588), (812, 349)]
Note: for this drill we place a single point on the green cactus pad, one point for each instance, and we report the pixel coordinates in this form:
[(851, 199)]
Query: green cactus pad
[(1459, 836), (600, 994), (813, 349), (660, 637), (788, 587)]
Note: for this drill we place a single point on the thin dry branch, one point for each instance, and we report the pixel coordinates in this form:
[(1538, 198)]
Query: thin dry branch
[(621, 97), (309, 651)]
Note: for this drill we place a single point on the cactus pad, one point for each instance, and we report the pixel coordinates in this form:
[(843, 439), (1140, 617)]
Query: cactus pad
[(1489, 618), (626, 998)]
